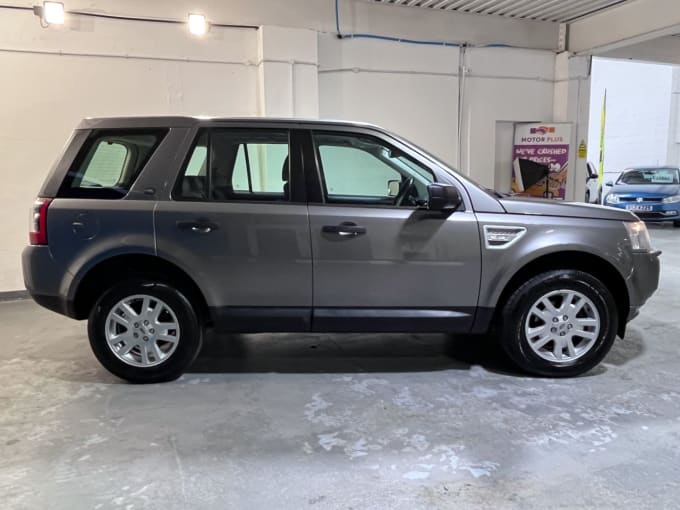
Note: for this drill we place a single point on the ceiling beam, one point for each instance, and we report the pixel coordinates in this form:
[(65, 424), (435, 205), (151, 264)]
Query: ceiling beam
[(624, 25), (665, 50)]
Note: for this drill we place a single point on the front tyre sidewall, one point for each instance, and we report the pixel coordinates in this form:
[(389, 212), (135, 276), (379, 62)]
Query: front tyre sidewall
[(189, 344), (515, 314)]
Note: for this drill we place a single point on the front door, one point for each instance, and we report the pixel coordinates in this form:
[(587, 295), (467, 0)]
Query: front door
[(382, 261), (238, 224)]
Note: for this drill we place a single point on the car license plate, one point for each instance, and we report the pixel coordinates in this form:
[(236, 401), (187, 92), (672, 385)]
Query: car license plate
[(639, 208)]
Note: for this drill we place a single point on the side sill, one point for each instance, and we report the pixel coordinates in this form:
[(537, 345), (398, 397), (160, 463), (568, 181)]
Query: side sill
[(392, 320), (231, 319), (348, 320)]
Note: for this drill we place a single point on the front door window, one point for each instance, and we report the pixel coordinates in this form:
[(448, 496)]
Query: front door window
[(359, 169)]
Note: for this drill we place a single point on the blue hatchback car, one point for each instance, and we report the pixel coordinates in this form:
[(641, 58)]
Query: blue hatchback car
[(653, 193)]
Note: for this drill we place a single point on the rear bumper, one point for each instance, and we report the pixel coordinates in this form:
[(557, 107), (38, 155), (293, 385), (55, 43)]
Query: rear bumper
[(44, 280)]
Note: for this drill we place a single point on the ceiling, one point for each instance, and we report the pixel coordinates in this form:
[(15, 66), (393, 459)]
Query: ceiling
[(560, 11)]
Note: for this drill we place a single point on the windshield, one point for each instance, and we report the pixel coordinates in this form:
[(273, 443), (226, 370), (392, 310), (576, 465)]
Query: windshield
[(651, 176)]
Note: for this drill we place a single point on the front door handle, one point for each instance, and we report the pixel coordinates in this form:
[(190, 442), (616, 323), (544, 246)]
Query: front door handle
[(198, 226), (345, 229)]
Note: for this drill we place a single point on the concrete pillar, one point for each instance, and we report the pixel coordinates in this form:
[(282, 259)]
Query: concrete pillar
[(572, 104), (288, 83), (673, 156)]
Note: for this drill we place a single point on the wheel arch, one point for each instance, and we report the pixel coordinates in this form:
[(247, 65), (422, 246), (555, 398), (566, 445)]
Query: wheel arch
[(87, 289), (577, 260)]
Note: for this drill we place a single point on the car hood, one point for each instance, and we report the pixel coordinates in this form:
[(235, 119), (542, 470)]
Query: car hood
[(646, 189), (543, 207)]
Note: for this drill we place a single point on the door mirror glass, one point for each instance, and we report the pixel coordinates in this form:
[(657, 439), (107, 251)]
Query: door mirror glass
[(393, 188), (443, 197)]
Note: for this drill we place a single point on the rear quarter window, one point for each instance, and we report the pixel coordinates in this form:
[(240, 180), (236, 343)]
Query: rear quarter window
[(109, 163)]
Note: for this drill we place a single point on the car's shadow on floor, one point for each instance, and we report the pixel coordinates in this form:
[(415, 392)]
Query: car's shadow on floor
[(350, 352), (342, 353), (355, 353)]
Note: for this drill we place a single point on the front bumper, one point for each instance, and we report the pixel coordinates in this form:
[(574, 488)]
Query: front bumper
[(644, 279), (657, 211)]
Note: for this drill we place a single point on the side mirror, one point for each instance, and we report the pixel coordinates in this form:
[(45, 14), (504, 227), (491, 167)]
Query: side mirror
[(393, 188), (443, 197), (609, 184)]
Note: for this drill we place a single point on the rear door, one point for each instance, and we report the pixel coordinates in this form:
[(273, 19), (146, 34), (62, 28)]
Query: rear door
[(237, 222), (382, 261)]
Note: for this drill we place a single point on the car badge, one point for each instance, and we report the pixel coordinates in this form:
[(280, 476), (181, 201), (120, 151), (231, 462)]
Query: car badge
[(640, 199)]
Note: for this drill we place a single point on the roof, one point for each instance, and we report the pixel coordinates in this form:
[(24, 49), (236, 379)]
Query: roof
[(190, 121)]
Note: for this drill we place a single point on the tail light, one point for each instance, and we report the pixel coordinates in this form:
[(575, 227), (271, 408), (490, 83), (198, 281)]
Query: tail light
[(38, 229)]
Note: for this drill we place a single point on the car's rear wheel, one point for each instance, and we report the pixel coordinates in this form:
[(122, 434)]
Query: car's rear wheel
[(144, 331), (559, 323), (587, 196)]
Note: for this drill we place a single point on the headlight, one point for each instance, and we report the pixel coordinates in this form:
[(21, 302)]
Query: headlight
[(612, 198), (639, 237), (671, 200)]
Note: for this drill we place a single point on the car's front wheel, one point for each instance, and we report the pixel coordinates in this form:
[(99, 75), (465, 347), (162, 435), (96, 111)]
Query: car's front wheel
[(676, 223), (144, 331), (559, 323)]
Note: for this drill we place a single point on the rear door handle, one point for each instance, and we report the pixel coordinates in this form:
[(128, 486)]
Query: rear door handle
[(198, 226), (345, 229)]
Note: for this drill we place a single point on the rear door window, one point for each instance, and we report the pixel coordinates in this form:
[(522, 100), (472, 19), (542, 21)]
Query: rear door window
[(237, 164), (109, 163)]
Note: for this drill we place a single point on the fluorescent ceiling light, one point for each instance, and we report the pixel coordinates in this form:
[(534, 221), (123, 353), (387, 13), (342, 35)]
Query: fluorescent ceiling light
[(197, 24), (53, 13)]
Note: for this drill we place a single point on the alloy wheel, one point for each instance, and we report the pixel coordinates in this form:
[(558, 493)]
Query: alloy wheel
[(142, 330), (562, 326)]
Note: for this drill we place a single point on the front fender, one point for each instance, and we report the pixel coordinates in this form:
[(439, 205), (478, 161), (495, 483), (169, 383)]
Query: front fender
[(545, 235)]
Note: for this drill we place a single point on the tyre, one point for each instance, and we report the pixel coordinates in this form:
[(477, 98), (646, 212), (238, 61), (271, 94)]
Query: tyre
[(559, 323), (676, 223), (144, 331), (587, 196)]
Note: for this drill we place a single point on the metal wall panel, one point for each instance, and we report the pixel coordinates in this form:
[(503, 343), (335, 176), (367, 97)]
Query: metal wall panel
[(560, 11)]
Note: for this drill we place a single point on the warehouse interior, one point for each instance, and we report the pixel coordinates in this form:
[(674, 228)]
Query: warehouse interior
[(388, 420)]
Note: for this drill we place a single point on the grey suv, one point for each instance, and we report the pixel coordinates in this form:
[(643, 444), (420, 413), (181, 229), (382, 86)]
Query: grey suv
[(155, 228)]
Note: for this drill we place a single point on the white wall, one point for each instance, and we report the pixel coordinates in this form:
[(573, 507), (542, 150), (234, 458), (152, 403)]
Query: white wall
[(638, 106), (503, 84), (356, 16), (97, 67), (409, 89), (673, 154), (414, 91), (43, 96)]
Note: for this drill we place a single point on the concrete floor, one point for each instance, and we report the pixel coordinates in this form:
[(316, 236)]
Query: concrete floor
[(342, 422)]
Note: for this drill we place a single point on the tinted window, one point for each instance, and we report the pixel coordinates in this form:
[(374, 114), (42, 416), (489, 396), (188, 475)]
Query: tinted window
[(109, 163), (651, 176), (230, 164), (363, 169)]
